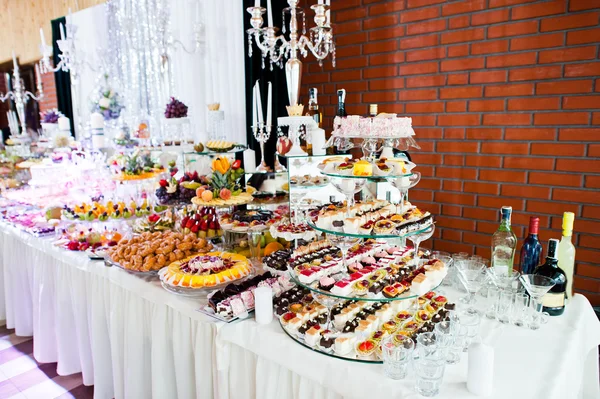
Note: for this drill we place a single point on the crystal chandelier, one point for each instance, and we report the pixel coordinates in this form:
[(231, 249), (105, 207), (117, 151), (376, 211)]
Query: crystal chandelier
[(275, 47), (21, 96)]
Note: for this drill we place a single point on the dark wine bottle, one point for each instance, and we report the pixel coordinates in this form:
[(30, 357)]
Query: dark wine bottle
[(554, 301), (531, 251), (341, 111)]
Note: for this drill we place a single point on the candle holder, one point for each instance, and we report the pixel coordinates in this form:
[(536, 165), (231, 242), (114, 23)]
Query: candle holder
[(262, 133), (21, 96), (275, 47)]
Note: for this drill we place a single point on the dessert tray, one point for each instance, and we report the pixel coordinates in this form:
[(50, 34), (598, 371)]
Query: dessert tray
[(292, 231), (313, 254), (241, 199), (358, 327), (248, 220), (196, 274), (308, 182), (371, 219), (382, 168), (236, 301)]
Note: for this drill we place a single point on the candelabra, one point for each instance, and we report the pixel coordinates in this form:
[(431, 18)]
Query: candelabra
[(276, 47), (21, 96), (262, 133)]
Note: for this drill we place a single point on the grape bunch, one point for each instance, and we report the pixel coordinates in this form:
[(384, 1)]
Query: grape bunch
[(176, 109)]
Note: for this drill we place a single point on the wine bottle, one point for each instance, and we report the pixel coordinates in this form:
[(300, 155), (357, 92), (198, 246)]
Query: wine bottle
[(531, 252), (554, 301), (566, 251), (313, 106), (504, 243), (341, 111), (373, 110)]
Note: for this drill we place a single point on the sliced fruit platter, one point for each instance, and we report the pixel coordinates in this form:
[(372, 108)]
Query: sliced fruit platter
[(155, 222), (202, 222), (96, 211), (237, 300), (223, 188), (137, 165), (180, 191), (149, 252), (375, 218), (358, 327), (248, 220), (210, 270)]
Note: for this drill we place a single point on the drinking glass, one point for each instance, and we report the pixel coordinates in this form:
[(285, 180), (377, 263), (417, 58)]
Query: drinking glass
[(504, 307), (403, 184), (472, 274), (519, 309), (429, 373), (426, 344), (445, 332), (493, 295), (396, 352), (469, 321), (418, 238), (448, 261), (344, 243), (536, 316)]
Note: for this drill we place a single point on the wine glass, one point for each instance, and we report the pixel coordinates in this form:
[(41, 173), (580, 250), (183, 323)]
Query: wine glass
[(537, 286), (349, 187), (329, 302), (501, 279), (403, 184), (418, 238), (472, 273), (344, 243)]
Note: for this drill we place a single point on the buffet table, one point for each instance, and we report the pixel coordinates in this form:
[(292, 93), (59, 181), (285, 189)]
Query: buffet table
[(132, 339), (129, 337)]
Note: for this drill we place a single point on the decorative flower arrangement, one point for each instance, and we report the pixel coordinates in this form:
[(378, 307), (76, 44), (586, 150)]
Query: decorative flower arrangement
[(50, 116), (107, 101), (176, 109), (224, 182)]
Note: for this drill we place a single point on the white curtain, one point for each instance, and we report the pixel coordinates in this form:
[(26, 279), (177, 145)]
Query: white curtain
[(215, 73)]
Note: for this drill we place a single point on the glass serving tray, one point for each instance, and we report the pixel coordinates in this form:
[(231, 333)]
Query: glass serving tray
[(353, 297), (374, 236), (234, 150), (370, 178), (352, 356), (110, 263)]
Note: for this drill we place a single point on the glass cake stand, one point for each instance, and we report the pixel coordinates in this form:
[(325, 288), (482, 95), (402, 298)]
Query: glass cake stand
[(366, 236)]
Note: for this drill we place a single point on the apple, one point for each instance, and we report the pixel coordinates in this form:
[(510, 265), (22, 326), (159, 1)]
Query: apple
[(284, 145)]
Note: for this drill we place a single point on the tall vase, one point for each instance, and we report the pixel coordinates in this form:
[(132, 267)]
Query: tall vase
[(293, 76)]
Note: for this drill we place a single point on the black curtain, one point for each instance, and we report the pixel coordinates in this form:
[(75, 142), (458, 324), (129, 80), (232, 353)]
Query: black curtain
[(255, 71), (62, 79)]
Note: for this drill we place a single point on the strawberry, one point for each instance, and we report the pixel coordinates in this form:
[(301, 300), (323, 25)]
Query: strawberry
[(212, 225), (204, 225), (163, 183), (184, 221), (195, 229), (236, 164), (189, 224), (73, 245)]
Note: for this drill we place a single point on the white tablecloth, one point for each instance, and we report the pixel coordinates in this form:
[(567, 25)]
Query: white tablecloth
[(558, 361), (132, 339), (129, 337)]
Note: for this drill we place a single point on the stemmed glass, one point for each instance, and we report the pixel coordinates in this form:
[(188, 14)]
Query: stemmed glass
[(344, 243), (329, 302), (296, 196), (418, 238), (472, 273), (501, 279), (537, 286), (403, 184), (348, 187)]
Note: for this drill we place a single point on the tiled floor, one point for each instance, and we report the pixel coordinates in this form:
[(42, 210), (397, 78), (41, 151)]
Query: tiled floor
[(21, 377)]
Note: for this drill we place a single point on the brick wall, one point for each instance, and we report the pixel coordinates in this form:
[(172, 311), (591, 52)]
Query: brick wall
[(49, 100), (505, 100)]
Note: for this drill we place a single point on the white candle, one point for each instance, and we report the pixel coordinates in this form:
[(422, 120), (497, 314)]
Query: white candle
[(269, 111), (62, 32), (249, 161), (320, 1), (198, 11), (256, 3), (254, 107), (269, 13), (97, 121), (42, 37), (328, 2), (259, 104), (64, 123), (14, 61), (38, 77), (263, 305)]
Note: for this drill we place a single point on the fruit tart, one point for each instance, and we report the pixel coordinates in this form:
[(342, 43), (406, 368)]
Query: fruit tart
[(384, 226), (208, 270)]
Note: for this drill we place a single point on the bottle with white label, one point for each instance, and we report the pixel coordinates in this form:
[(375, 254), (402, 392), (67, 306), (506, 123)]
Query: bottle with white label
[(566, 251), (554, 300)]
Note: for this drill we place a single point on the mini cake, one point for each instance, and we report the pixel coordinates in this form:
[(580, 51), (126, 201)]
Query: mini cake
[(382, 169), (313, 335), (362, 168), (326, 283), (384, 227), (366, 348), (344, 344), (351, 225)]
